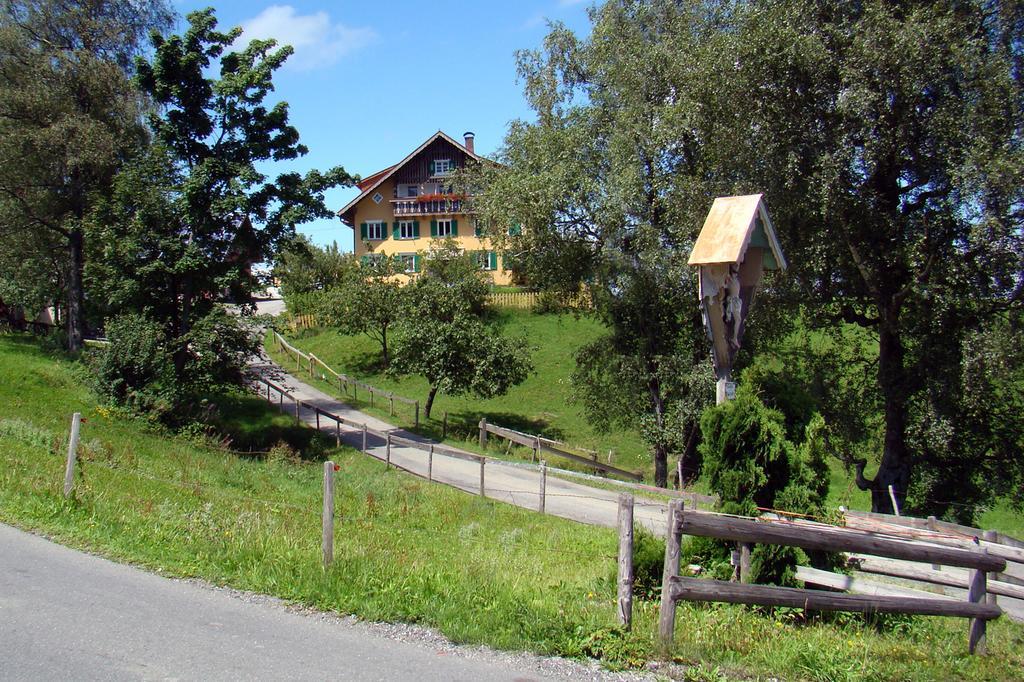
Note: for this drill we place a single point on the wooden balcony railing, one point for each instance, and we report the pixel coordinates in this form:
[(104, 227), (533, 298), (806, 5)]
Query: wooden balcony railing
[(431, 207)]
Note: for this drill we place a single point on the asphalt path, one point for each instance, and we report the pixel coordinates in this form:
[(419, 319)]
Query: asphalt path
[(67, 615)]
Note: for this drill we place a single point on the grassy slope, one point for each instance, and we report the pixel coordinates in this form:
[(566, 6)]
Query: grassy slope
[(540, 405), (478, 570)]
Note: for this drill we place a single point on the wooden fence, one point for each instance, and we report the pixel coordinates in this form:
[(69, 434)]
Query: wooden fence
[(267, 388), (308, 361), (823, 537), (538, 444), (1005, 588)]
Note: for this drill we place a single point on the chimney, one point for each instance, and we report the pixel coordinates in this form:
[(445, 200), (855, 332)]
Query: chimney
[(469, 142)]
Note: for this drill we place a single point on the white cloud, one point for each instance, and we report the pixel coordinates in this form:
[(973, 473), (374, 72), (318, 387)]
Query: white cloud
[(318, 42)]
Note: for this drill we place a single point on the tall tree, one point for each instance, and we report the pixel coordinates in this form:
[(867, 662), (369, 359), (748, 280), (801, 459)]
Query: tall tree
[(611, 183), (888, 137), (193, 213), (69, 116)]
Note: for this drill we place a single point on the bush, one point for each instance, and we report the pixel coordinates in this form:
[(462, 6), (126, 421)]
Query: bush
[(137, 369), (149, 372), (752, 466)]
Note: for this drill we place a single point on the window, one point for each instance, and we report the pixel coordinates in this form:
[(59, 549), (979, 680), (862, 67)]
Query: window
[(371, 259), (407, 229), (378, 197), (441, 167), (408, 191), (372, 230), (409, 262), (515, 229), (487, 260), (444, 227)]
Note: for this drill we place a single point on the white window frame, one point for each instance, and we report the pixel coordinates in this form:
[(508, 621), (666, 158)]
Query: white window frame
[(408, 263), (483, 260), (406, 229), (448, 166), (446, 230), (378, 226)]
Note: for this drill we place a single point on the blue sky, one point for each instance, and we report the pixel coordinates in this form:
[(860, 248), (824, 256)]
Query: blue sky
[(370, 81)]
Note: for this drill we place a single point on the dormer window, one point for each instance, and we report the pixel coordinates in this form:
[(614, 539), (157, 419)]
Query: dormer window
[(441, 167)]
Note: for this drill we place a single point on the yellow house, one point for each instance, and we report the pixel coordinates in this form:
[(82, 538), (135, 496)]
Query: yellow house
[(403, 210)]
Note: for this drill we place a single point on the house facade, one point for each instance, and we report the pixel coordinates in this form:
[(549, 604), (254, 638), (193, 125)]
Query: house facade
[(405, 209)]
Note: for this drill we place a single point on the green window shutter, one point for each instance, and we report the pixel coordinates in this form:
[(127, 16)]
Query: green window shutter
[(364, 261), (493, 260), (430, 170), (455, 227), (433, 227), (515, 229), (362, 230), (476, 229), (395, 232), (416, 229), (416, 263)]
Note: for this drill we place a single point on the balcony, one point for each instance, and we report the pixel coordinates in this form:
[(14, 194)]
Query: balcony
[(428, 204)]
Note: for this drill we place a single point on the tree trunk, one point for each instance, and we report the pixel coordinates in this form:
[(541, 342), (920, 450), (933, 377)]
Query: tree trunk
[(895, 467), (430, 402), (661, 465), (76, 293)]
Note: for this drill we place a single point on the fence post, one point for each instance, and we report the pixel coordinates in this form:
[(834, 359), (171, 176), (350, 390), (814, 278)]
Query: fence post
[(430, 463), (482, 460), (976, 595), (310, 366), (337, 433), (745, 549), (543, 484), (991, 536), (391, 405), (296, 409), (444, 426), (371, 397), (364, 438), (626, 560), (280, 399), (895, 505), (317, 411), (69, 467), (667, 619), (416, 418), (483, 432), (328, 514), (268, 393), (387, 453), (536, 448)]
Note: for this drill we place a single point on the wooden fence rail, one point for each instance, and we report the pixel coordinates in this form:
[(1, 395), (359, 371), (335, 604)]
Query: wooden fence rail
[(346, 383), (818, 536), (539, 444), (1005, 587)]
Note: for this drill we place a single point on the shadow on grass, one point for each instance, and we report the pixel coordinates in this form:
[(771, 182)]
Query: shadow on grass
[(469, 423), (254, 427)]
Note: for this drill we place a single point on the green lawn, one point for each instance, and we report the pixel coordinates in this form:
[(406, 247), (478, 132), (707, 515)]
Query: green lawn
[(540, 405), (480, 571)]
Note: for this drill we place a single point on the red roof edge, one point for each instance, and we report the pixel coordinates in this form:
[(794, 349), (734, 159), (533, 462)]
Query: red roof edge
[(370, 180)]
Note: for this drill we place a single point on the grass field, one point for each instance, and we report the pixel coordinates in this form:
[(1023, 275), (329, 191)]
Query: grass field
[(479, 571), (541, 405)]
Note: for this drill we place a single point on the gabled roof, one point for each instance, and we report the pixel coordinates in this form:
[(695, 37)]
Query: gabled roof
[(377, 179), (731, 227)]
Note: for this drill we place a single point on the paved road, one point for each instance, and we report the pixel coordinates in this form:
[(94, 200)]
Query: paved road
[(69, 615), (514, 483)]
